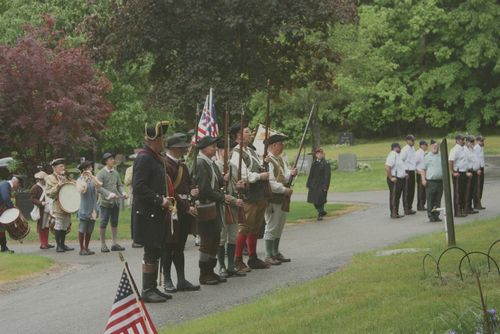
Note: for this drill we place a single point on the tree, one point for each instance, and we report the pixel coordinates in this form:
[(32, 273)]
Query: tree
[(52, 99), (233, 46)]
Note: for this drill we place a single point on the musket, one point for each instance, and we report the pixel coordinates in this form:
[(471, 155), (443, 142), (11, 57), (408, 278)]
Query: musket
[(194, 150), (267, 185), (285, 206), (228, 214), (241, 211)]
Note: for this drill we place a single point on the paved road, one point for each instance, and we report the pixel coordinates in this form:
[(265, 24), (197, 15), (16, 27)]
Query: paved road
[(77, 299)]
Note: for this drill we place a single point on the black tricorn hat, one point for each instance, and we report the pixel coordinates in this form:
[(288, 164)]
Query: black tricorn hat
[(19, 178), (158, 130), (106, 156), (232, 144), (236, 127), (84, 165), (180, 140), (206, 141), (275, 139), (58, 161)]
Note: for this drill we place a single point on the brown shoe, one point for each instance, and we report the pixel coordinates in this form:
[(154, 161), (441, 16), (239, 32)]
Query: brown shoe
[(241, 266), (255, 263), (281, 258), (272, 261)]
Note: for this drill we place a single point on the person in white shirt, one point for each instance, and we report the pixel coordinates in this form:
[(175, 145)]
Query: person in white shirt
[(473, 171), (396, 176), (408, 157), (419, 161), (457, 162), (479, 150)]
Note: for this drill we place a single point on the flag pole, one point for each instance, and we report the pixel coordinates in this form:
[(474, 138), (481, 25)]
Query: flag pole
[(136, 293)]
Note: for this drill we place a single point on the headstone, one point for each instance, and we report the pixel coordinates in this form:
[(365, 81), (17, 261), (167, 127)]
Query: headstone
[(346, 138), (348, 162), (304, 164)]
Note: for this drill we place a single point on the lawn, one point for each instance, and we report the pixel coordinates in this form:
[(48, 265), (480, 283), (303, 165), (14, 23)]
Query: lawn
[(16, 266), (372, 294)]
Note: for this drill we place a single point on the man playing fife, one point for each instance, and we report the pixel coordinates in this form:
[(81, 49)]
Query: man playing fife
[(110, 191), (255, 203), (279, 174), (62, 219), (432, 180)]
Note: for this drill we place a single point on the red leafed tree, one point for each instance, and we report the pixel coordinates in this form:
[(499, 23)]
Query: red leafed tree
[(52, 98)]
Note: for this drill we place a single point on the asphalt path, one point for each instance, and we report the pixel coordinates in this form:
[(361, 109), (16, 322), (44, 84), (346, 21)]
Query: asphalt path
[(77, 297)]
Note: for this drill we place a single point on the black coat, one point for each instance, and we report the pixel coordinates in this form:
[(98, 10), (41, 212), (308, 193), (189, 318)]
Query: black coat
[(318, 182), (208, 194), (149, 187)]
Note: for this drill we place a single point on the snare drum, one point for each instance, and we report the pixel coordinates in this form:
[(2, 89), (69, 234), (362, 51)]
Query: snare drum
[(15, 224), (69, 198)]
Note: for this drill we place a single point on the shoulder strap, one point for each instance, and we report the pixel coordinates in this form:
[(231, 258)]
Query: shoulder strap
[(178, 177)]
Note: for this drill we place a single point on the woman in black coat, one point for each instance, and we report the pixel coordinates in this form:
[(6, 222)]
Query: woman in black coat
[(318, 182)]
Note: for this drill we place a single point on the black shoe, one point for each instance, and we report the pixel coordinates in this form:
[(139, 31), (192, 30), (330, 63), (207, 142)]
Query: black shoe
[(60, 249), (410, 212), (320, 217), (150, 296), (66, 248), (117, 247), (235, 273), (161, 294), (136, 245), (324, 213), (187, 286), (169, 286), (223, 273), (50, 246), (6, 250), (438, 220)]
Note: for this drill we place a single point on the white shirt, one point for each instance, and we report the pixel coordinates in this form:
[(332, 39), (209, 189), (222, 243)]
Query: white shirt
[(457, 155), (276, 186), (419, 159), (472, 160), (246, 174), (479, 150), (396, 163), (408, 157)]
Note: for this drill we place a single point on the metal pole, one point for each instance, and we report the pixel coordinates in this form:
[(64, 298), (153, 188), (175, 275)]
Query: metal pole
[(450, 224)]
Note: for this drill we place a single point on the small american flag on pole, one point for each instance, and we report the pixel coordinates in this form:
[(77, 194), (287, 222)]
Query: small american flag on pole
[(207, 126), (128, 314)]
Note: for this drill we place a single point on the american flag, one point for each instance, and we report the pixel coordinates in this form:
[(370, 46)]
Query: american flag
[(207, 126), (128, 314)]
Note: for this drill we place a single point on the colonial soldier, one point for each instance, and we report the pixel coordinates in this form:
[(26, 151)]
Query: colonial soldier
[(419, 160), (473, 171), (229, 229), (62, 219), (457, 162), (210, 183), (183, 221), (111, 191), (6, 188), (151, 207), (279, 174), (432, 180), (40, 199), (396, 178), (255, 202), (478, 195), (318, 182), (408, 158)]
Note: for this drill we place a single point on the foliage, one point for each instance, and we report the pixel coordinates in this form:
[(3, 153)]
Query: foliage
[(52, 98)]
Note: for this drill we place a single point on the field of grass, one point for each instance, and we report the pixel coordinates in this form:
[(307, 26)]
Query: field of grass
[(16, 266), (373, 294)]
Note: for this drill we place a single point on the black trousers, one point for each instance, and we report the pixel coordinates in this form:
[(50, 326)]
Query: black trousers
[(395, 190), (459, 190), (421, 198), (409, 191), (478, 194), (472, 185), (152, 255), (433, 194)]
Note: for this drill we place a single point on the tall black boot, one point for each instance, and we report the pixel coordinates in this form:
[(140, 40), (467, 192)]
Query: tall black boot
[(221, 255), (182, 283), (60, 248), (166, 262), (212, 263), (205, 274), (3, 245), (63, 242), (149, 286), (231, 269)]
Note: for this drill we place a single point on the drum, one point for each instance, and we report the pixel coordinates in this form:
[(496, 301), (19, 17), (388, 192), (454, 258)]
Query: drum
[(15, 224), (69, 198)]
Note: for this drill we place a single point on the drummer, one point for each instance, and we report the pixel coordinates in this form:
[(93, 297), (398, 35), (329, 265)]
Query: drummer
[(62, 219), (39, 198), (6, 188)]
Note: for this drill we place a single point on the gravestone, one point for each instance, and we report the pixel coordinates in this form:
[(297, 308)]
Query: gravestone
[(346, 138), (304, 164), (348, 162)]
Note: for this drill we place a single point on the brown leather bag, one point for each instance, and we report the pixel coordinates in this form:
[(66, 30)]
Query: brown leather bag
[(206, 212)]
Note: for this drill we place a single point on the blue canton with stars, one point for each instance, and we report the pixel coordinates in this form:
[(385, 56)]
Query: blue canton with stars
[(124, 289)]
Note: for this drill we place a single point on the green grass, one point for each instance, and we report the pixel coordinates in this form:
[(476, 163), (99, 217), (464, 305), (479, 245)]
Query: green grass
[(300, 211), (370, 295), (16, 266)]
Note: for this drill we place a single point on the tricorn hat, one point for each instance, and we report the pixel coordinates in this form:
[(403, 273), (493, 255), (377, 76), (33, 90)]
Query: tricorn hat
[(19, 178), (180, 140), (275, 139), (206, 141), (158, 130), (58, 161)]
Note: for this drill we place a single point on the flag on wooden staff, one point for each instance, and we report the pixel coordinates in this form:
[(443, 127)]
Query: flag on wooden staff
[(207, 126)]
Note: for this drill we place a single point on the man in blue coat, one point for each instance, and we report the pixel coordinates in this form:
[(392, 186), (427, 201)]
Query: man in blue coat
[(6, 188)]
